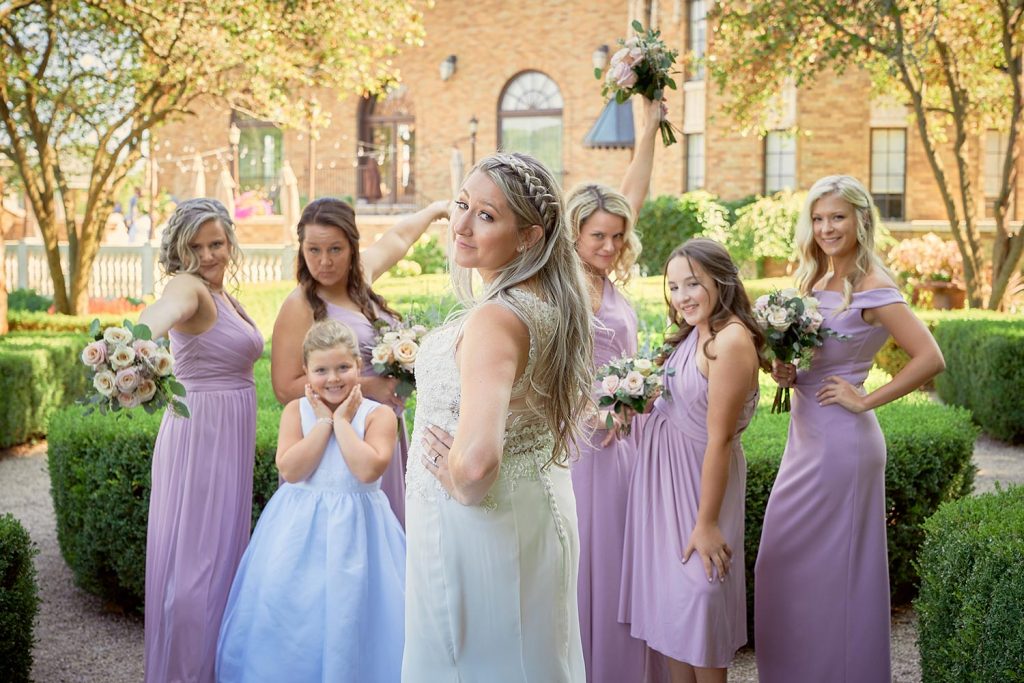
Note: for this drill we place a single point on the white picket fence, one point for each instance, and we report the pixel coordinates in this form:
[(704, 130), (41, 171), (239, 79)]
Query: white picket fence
[(132, 270)]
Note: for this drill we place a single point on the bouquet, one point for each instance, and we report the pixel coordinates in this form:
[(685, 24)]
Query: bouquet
[(395, 353), (630, 384), (129, 369), (641, 67), (792, 324)]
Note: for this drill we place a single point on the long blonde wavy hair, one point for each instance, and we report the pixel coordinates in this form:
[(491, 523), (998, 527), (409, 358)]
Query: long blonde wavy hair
[(563, 367), (584, 201), (176, 256), (814, 264)]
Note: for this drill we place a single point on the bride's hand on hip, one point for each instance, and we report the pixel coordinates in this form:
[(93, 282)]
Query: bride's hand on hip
[(438, 444)]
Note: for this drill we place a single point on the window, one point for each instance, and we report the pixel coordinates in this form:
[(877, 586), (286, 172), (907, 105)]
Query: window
[(694, 162), (387, 149), (260, 154), (995, 153), (888, 171), (530, 119), (779, 161), (698, 21)]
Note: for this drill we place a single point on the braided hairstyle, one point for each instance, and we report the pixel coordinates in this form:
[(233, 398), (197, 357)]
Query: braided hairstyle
[(335, 213), (563, 366), (715, 261)]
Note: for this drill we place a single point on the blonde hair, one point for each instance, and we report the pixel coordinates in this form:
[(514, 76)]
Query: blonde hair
[(329, 334), (584, 201), (176, 256), (563, 366), (814, 264)]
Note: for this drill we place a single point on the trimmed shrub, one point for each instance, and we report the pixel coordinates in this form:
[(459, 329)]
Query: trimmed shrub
[(929, 462), (40, 321), (762, 229), (970, 625), (428, 253), (100, 483), (39, 373), (19, 600), (667, 221), (28, 300), (985, 372)]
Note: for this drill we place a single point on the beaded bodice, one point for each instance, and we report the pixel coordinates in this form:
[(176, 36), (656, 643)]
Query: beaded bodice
[(528, 441)]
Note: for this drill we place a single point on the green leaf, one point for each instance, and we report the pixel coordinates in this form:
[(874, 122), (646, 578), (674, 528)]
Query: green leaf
[(175, 387), (637, 26), (180, 409), (142, 332), (597, 73), (94, 328)]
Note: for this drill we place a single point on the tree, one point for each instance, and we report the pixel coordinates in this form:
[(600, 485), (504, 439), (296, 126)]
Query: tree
[(83, 82), (957, 63)]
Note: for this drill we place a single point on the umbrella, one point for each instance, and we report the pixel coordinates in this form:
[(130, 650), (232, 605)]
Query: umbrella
[(199, 189), (455, 166), (289, 199), (225, 191)]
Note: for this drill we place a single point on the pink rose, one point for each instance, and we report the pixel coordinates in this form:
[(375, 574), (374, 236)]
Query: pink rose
[(145, 348), (610, 384), (623, 75), (95, 353), (128, 400), (126, 380), (813, 320), (146, 390)]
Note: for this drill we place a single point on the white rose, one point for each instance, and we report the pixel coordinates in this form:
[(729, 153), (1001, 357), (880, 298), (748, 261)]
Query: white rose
[(94, 354), (633, 383), (145, 348), (419, 329), (778, 318), (610, 384), (103, 382), (126, 380), (146, 390), (644, 366), (128, 400), (122, 357), (381, 354), (162, 363), (117, 336), (810, 303), (390, 337), (407, 335), (790, 293), (405, 352)]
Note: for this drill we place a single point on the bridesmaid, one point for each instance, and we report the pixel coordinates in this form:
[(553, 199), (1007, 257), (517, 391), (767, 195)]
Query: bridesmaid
[(335, 281), (200, 508), (602, 221), (683, 584), (821, 610)]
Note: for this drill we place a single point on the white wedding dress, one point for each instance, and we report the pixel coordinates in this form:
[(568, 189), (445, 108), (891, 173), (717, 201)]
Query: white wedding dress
[(491, 589)]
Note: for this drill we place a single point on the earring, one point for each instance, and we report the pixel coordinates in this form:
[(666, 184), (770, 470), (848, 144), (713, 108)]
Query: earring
[(520, 248)]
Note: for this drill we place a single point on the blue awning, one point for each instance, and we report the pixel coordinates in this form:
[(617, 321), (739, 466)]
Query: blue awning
[(613, 128)]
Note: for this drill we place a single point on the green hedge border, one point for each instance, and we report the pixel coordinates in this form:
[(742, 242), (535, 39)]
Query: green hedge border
[(19, 600)]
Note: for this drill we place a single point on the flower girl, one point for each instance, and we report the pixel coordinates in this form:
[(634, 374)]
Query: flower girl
[(319, 595)]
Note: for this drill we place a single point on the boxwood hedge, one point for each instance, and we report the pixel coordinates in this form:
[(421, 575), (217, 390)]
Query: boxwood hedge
[(19, 600)]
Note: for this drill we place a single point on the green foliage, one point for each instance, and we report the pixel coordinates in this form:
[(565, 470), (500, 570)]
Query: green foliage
[(929, 462), (985, 372), (19, 601), (668, 221), (27, 300), (405, 268), (34, 321), (427, 252), (972, 593), (39, 374)]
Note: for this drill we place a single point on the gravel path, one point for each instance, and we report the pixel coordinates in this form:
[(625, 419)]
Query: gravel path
[(80, 640)]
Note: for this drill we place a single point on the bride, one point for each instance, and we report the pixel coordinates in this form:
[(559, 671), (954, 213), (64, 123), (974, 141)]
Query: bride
[(491, 519)]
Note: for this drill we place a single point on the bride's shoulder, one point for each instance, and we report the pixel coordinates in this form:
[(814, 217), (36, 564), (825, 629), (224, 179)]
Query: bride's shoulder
[(494, 321)]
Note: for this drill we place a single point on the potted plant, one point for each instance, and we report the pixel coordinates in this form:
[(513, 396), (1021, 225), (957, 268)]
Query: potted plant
[(931, 270)]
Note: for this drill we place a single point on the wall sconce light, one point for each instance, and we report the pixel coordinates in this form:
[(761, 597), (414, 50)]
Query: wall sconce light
[(600, 57), (447, 67)]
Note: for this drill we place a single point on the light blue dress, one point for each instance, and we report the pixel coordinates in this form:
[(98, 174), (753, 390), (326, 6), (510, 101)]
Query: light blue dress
[(319, 595)]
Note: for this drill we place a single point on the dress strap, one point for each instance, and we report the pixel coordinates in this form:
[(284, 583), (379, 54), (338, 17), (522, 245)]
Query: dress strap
[(873, 298)]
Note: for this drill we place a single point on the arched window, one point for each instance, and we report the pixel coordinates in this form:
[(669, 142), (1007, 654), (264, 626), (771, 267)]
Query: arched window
[(530, 119), (387, 149)]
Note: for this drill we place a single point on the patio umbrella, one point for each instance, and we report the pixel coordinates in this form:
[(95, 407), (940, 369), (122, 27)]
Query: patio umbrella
[(455, 166), (199, 189), (289, 200), (225, 191)]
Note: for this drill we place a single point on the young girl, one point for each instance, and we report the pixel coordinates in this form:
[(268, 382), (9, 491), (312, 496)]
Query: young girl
[(319, 595), (682, 580)]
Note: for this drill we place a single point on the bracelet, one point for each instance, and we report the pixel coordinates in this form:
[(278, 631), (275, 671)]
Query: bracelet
[(325, 420)]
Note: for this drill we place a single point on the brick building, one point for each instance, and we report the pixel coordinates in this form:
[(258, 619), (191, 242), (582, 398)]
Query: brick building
[(522, 73)]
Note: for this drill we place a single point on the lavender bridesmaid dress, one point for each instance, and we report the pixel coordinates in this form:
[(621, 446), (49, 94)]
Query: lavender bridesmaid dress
[(821, 603), (392, 482), (600, 480), (669, 604), (200, 507)]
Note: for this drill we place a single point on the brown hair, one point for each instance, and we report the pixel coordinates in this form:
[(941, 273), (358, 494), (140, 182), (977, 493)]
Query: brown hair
[(732, 297), (337, 214)]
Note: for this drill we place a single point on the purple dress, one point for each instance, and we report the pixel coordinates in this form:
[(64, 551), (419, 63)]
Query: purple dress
[(600, 480), (392, 482), (200, 507), (821, 603), (669, 604)]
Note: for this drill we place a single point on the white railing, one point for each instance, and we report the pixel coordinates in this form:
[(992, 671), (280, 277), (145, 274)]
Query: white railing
[(132, 270)]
